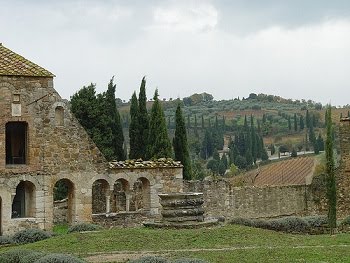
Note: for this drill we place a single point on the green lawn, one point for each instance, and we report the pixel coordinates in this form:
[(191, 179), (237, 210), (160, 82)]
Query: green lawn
[(239, 244)]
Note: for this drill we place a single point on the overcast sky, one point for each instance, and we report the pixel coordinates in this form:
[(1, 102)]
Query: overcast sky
[(296, 48)]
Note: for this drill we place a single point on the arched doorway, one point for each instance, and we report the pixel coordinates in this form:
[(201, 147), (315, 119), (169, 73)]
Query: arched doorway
[(64, 201), (100, 197), (141, 197), (120, 196), (23, 204)]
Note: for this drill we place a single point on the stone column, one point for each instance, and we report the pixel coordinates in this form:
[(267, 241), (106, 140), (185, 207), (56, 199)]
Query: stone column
[(127, 205), (108, 209)]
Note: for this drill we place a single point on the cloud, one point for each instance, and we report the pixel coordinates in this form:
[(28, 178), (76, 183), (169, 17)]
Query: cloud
[(227, 48), (192, 16)]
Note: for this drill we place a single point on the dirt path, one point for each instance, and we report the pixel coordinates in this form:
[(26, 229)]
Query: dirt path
[(123, 256)]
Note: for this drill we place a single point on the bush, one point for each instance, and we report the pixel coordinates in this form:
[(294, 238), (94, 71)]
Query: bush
[(345, 221), (59, 258), (150, 259), (30, 235), (189, 260), (290, 225), (32, 257), (317, 221), (83, 227), (14, 255), (5, 240)]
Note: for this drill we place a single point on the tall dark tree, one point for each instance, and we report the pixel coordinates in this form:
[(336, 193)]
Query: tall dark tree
[(301, 122), (253, 140), (143, 120), (180, 144), (331, 184), (203, 125), (295, 123), (134, 129), (159, 145), (308, 119), (289, 124), (114, 123)]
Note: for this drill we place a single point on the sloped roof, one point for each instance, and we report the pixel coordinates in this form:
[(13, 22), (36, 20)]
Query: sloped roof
[(12, 64)]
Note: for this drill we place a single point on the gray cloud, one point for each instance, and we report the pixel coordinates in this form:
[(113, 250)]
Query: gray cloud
[(296, 49)]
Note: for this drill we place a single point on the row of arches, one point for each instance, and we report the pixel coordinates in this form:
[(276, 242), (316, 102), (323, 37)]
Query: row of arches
[(122, 197), (117, 198)]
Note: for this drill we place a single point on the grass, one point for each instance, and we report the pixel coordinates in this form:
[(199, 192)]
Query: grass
[(240, 244), (60, 229)]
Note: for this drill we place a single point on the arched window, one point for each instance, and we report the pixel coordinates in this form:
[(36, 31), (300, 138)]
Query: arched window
[(59, 116)]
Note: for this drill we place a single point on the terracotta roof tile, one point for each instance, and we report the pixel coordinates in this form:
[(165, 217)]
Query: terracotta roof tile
[(12, 64)]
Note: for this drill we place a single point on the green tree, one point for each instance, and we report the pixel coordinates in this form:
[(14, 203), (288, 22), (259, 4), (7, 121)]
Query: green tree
[(295, 123), (301, 122), (143, 120), (114, 123), (195, 126), (180, 144), (158, 141), (134, 129), (331, 184), (289, 124), (85, 109)]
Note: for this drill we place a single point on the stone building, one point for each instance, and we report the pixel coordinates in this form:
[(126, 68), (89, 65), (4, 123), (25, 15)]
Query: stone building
[(42, 143)]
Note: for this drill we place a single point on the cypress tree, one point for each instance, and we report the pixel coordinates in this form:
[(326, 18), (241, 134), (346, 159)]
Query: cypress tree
[(295, 123), (253, 139), (159, 145), (203, 126), (143, 120), (180, 144), (301, 123), (331, 184), (188, 122), (114, 122), (308, 120), (289, 124), (134, 129)]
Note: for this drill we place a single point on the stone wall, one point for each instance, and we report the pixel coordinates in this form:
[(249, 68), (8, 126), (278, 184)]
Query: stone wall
[(343, 175), (222, 199)]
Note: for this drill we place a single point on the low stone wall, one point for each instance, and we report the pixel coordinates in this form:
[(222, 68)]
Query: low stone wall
[(221, 199), (60, 210), (123, 219)]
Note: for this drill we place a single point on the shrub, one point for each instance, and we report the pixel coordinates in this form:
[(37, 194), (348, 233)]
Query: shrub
[(83, 227), (290, 224), (32, 257), (345, 221), (14, 255), (317, 221), (189, 260), (30, 235), (5, 240), (150, 259), (59, 258)]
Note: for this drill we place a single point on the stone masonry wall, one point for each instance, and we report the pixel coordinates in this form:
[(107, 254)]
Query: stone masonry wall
[(222, 199), (343, 176)]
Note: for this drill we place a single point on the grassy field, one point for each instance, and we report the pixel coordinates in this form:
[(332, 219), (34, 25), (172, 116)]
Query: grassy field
[(228, 243)]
